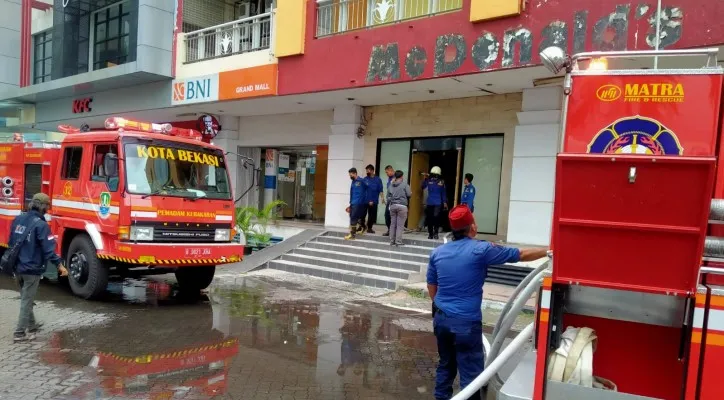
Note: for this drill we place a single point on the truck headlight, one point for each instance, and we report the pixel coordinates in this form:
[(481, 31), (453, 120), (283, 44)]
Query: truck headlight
[(222, 235), (141, 233)]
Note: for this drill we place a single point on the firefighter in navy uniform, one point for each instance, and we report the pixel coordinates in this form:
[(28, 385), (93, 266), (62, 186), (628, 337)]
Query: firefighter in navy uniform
[(455, 277), (436, 201), (36, 251), (357, 204)]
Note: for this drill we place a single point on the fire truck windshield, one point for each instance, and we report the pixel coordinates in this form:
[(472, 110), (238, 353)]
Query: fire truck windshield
[(168, 168)]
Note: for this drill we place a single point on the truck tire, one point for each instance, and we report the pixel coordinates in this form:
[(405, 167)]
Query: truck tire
[(87, 275), (194, 279)]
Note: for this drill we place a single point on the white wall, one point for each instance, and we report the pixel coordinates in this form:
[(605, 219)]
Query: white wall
[(230, 63), (41, 20), (298, 129), (534, 167)]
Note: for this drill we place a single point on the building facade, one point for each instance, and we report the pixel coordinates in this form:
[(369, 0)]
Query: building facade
[(307, 89)]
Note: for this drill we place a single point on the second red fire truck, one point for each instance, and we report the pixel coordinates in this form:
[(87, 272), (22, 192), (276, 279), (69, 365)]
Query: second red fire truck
[(134, 196)]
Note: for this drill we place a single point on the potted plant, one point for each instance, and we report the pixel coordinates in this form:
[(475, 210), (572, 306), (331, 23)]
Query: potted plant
[(252, 223)]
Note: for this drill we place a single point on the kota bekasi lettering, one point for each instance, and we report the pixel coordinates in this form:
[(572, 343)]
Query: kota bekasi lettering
[(515, 47), (166, 153)]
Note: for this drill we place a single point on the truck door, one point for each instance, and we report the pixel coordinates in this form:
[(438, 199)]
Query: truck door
[(102, 187)]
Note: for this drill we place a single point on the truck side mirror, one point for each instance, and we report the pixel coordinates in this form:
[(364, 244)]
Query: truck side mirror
[(110, 167)]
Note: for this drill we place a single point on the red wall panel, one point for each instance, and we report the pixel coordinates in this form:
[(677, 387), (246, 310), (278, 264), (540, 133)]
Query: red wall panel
[(449, 44)]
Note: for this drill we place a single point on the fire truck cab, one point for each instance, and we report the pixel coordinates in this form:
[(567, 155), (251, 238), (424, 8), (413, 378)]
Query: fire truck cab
[(138, 196)]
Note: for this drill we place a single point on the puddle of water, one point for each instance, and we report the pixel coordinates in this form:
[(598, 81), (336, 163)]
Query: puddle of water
[(238, 343)]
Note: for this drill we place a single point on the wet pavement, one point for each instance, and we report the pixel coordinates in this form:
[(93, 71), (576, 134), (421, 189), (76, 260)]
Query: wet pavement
[(249, 340)]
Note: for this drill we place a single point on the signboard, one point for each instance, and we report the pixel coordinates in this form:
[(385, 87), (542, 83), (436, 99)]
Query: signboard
[(663, 114), (198, 89), (228, 85), (82, 105), (248, 82)]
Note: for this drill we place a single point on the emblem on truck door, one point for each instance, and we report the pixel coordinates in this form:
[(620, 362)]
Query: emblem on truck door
[(636, 135), (105, 205)]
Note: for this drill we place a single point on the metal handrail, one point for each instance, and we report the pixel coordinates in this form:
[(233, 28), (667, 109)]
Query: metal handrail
[(231, 23), (710, 52)]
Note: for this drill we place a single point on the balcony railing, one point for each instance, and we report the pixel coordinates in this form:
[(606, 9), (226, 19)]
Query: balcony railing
[(338, 16), (236, 37)]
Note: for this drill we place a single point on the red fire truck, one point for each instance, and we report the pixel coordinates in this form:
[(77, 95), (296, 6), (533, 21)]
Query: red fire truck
[(632, 306), (136, 196)]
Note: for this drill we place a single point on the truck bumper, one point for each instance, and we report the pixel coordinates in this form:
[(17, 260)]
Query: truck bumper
[(173, 255)]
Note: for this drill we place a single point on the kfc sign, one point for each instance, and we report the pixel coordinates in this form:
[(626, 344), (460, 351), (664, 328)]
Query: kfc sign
[(209, 127), (82, 105)]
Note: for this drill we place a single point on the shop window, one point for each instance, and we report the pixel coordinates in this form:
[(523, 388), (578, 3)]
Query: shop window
[(42, 56), (72, 158), (110, 33)]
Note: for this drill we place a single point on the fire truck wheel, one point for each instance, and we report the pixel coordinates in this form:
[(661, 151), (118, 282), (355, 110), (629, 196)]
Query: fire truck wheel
[(87, 275), (193, 279)]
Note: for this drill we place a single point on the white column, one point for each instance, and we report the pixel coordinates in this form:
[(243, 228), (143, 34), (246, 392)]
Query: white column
[(346, 150), (228, 140), (534, 166)]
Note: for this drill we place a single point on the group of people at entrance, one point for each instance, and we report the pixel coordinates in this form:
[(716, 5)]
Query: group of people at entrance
[(366, 193)]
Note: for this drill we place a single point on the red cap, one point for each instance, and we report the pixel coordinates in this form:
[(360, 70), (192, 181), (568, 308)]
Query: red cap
[(460, 217)]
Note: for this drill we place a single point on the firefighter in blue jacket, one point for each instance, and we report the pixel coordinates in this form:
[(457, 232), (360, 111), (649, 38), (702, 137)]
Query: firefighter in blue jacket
[(436, 201), (36, 251), (468, 193), (357, 203)]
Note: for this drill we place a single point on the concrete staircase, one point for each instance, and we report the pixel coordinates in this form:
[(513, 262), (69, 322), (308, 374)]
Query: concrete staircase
[(371, 261)]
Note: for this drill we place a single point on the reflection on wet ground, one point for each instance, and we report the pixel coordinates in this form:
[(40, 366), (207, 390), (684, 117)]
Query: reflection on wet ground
[(234, 343)]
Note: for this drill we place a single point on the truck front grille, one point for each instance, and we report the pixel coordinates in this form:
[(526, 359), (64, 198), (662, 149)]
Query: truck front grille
[(188, 235)]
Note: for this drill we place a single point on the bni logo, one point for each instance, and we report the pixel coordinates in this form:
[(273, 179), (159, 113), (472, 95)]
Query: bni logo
[(200, 89)]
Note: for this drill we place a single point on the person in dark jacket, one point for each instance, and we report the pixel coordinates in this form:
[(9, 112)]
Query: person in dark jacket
[(35, 253), (436, 201), (375, 191), (357, 203)]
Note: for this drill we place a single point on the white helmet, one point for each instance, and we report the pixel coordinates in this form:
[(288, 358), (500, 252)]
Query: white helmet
[(436, 171)]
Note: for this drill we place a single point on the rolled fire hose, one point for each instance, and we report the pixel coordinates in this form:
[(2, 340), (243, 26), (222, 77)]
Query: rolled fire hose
[(572, 362)]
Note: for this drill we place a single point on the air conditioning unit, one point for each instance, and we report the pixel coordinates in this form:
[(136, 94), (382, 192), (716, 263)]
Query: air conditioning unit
[(243, 10)]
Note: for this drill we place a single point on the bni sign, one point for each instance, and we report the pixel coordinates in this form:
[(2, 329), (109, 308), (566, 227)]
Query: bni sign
[(199, 89)]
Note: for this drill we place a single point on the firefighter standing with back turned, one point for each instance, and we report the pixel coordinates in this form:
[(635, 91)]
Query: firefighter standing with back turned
[(357, 203), (436, 201), (455, 277)]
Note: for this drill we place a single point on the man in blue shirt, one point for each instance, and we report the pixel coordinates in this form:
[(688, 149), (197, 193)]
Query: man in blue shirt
[(455, 277), (468, 193), (357, 203), (374, 192), (436, 201)]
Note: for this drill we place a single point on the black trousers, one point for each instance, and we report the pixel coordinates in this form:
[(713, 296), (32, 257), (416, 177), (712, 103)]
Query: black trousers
[(369, 219), (388, 217), (432, 218)]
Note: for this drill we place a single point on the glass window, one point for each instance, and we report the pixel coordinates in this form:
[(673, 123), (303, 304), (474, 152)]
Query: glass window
[(43, 56), (171, 169), (111, 38), (397, 154), (483, 159), (72, 158)]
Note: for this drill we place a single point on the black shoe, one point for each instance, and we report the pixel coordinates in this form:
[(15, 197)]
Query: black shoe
[(436, 237), (17, 338), (399, 244), (370, 231), (386, 233), (38, 326), (429, 237)]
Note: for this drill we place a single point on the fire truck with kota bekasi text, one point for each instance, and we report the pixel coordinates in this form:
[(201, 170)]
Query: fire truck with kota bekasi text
[(135, 196)]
